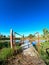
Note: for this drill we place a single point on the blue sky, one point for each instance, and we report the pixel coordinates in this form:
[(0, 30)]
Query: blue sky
[(24, 16)]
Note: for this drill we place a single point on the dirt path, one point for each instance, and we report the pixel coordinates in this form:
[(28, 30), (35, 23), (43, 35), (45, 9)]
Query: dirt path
[(28, 57)]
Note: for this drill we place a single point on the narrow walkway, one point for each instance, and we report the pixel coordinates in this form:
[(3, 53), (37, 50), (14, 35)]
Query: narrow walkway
[(29, 57), (33, 55)]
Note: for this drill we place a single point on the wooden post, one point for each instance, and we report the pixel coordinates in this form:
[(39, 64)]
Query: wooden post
[(11, 38), (14, 40), (23, 38), (38, 40), (38, 43)]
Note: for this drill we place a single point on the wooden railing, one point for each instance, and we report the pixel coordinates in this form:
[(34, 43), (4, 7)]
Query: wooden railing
[(26, 46)]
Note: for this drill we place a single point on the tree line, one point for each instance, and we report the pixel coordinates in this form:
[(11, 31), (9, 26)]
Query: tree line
[(45, 35)]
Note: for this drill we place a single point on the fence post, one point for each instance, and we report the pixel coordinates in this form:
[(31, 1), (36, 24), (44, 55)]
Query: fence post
[(11, 38)]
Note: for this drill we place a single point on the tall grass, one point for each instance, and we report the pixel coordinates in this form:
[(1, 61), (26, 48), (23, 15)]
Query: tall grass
[(43, 53), (6, 53)]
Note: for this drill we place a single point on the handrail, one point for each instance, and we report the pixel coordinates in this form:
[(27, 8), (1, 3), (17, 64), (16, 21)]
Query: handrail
[(23, 47), (18, 34)]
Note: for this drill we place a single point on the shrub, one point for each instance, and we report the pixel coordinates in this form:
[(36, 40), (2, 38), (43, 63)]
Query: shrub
[(1, 46), (43, 51), (4, 44)]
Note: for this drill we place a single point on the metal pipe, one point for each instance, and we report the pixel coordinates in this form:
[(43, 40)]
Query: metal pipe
[(18, 34)]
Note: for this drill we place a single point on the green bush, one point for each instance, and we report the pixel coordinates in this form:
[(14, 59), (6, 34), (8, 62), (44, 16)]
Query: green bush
[(6, 53), (43, 53), (4, 44), (1, 46)]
